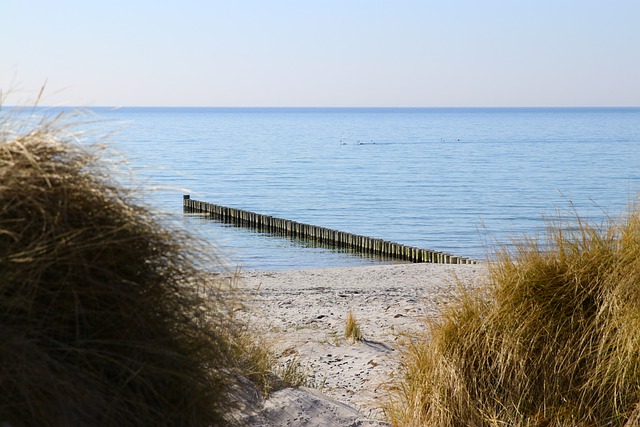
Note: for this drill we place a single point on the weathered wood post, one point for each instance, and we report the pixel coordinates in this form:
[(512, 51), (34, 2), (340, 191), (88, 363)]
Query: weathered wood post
[(356, 242)]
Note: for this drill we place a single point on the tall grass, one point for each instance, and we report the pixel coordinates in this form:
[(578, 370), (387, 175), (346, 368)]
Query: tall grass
[(551, 341), (105, 316)]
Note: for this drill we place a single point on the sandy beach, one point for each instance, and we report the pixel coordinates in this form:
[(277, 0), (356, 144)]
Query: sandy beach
[(303, 313)]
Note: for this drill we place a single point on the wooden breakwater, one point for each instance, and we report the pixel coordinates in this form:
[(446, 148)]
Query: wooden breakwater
[(355, 242)]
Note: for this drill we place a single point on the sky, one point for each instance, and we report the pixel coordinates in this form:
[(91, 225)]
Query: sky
[(331, 53)]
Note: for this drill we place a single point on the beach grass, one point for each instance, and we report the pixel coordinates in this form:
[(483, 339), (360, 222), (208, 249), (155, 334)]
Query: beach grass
[(255, 359), (106, 315), (352, 329), (552, 340)]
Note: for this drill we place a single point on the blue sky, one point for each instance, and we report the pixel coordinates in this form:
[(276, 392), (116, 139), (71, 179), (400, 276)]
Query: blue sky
[(322, 52)]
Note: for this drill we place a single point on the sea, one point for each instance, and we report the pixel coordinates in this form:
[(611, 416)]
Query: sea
[(457, 180)]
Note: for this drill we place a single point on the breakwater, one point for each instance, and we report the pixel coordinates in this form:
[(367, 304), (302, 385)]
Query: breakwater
[(355, 242)]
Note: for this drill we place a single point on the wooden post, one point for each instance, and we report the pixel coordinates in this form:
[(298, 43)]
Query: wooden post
[(356, 242)]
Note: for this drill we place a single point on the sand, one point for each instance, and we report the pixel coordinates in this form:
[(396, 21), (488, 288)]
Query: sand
[(303, 312)]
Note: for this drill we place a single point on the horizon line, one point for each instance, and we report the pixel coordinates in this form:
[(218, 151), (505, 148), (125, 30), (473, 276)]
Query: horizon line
[(322, 107)]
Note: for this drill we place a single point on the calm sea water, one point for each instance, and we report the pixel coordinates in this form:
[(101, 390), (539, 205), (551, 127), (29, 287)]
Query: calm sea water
[(453, 180)]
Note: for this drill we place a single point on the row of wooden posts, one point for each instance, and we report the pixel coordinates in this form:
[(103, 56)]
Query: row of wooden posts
[(355, 242)]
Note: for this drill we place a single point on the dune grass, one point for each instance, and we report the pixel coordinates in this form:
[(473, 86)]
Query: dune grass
[(352, 330), (551, 341), (256, 360), (106, 316)]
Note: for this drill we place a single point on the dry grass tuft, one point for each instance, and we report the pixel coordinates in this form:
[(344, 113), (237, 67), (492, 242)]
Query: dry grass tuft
[(553, 341), (105, 317), (352, 330), (256, 360)]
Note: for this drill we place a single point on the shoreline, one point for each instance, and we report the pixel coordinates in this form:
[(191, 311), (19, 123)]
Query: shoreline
[(303, 313)]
